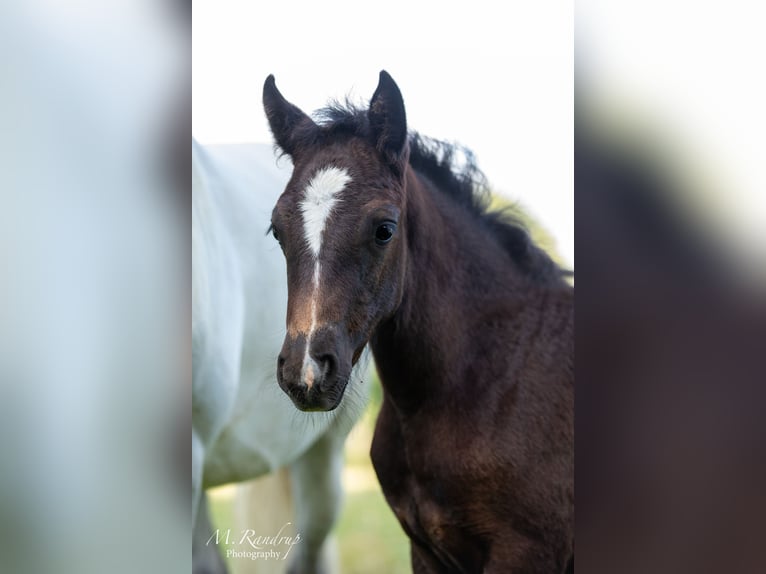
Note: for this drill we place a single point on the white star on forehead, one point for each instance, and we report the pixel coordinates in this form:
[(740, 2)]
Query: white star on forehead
[(320, 197)]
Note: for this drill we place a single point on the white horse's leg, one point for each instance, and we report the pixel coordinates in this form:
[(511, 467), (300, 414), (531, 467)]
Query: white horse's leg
[(317, 497), (205, 557), (265, 507)]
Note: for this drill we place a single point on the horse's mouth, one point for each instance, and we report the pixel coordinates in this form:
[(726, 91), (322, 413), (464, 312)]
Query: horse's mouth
[(316, 400)]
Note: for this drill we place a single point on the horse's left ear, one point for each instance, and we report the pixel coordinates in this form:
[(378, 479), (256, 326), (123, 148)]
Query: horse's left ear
[(388, 121)]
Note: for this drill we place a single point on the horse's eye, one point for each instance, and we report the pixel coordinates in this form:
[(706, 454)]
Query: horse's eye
[(274, 232), (385, 232)]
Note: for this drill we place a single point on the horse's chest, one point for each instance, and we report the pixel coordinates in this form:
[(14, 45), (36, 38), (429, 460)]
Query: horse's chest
[(419, 511), (422, 495)]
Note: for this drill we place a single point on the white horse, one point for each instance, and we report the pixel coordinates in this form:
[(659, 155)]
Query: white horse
[(243, 425)]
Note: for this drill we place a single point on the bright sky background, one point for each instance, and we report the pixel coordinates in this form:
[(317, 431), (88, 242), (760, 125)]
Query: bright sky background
[(494, 76)]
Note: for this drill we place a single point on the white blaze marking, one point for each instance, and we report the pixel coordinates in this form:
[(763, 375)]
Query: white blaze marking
[(318, 201)]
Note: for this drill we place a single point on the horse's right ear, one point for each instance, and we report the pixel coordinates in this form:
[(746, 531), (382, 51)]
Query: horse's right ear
[(291, 127)]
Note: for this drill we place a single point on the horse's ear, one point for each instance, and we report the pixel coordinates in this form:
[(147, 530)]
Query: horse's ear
[(388, 122), (290, 126)]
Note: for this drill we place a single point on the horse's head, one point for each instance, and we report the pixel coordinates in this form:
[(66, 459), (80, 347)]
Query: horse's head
[(341, 225)]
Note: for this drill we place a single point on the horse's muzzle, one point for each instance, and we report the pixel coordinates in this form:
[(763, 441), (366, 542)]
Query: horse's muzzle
[(314, 378)]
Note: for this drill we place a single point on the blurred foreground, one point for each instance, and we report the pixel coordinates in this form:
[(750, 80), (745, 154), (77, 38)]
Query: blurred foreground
[(671, 300), (94, 289)]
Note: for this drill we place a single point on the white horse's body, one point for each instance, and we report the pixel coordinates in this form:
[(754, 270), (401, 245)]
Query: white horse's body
[(243, 425)]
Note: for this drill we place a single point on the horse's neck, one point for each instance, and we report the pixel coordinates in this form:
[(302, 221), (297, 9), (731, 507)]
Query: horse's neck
[(461, 294), (233, 190)]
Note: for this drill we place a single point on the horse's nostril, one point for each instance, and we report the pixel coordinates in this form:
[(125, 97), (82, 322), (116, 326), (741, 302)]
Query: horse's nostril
[(328, 364), (280, 365)]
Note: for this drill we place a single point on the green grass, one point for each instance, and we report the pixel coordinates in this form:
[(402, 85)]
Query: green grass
[(370, 538)]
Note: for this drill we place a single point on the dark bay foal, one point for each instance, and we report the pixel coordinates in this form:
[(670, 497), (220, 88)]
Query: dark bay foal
[(470, 324)]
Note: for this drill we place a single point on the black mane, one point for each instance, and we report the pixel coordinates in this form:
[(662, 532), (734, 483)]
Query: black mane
[(452, 169)]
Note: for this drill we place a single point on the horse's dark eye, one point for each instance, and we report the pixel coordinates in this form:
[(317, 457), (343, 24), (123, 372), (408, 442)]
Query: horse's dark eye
[(384, 233), (274, 232)]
